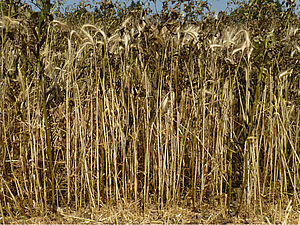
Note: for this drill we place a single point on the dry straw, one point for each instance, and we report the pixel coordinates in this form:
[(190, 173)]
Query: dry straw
[(156, 112)]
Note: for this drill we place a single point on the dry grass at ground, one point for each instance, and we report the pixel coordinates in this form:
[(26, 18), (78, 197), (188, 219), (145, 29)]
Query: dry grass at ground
[(133, 214)]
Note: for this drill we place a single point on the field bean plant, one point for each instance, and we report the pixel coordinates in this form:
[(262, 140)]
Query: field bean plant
[(118, 112)]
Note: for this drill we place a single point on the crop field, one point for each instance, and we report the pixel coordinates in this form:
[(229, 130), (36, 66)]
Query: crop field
[(114, 113)]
